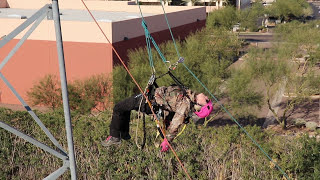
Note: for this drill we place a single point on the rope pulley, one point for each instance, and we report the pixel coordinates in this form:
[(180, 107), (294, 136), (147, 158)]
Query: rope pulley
[(174, 66)]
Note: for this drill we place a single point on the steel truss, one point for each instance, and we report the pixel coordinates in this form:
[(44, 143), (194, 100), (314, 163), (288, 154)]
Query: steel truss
[(52, 13)]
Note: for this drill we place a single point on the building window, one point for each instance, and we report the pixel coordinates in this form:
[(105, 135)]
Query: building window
[(212, 3)]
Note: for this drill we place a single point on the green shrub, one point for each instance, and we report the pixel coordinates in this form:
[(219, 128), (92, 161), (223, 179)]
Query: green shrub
[(207, 53), (90, 93), (287, 10), (122, 84), (46, 92), (207, 153), (223, 18), (243, 94), (249, 17), (84, 95)]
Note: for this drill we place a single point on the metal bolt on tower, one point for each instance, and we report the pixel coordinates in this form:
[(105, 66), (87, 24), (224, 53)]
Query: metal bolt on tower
[(52, 12)]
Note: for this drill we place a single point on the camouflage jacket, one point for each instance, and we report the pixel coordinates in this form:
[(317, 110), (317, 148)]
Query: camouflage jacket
[(171, 98)]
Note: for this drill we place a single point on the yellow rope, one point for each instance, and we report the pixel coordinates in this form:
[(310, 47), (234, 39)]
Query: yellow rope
[(184, 127)]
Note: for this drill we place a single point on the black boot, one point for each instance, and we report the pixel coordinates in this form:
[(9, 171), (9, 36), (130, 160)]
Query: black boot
[(125, 135)]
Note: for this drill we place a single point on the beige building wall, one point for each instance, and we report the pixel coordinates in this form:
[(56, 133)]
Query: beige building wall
[(177, 15), (37, 58), (86, 50), (117, 6), (132, 28), (75, 31)]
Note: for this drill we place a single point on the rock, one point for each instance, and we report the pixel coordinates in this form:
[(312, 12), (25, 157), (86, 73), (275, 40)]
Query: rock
[(299, 122), (311, 125)]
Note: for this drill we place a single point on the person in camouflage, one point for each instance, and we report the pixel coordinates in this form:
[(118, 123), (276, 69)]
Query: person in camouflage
[(171, 99)]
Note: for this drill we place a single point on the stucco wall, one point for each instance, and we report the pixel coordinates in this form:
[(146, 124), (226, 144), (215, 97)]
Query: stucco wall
[(86, 49), (36, 58), (132, 28), (74, 31), (180, 32), (97, 5)]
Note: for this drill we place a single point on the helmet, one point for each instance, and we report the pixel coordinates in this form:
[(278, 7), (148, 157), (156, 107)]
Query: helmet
[(205, 110)]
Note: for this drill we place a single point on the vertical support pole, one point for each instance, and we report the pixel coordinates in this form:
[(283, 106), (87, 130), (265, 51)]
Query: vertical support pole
[(56, 18)]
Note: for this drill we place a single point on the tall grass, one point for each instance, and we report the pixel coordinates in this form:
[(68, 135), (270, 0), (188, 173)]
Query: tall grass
[(207, 152)]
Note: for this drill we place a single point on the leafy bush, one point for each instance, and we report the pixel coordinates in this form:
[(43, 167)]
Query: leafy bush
[(207, 153), (122, 84), (223, 18), (290, 9), (249, 17), (46, 92), (94, 92), (207, 53), (84, 95), (243, 94)]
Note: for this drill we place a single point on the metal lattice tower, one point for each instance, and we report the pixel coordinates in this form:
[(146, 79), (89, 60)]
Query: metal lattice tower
[(51, 11)]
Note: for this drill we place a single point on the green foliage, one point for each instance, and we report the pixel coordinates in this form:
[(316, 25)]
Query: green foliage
[(304, 86), (265, 66), (122, 84), (274, 72), (207, 54), (242, 93), (248, 18), (46, 92), (223, 18), (300, 38), (207, 153), (302, 41), (90, 93), (299, 33), (278, 66), (315, 57), (84, 95), (290, 9), (302, 156)]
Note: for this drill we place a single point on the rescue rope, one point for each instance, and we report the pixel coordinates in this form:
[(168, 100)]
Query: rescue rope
[(229, 114), (144, 127), (149, 103)]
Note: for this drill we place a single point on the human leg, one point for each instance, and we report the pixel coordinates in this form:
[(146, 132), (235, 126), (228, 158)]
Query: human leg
[(120, 122)]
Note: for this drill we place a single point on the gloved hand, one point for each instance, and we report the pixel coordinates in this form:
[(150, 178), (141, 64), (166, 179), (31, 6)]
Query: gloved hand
[(164, 145)]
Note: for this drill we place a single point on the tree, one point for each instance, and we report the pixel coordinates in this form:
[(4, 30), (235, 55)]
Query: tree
[(303, 40), (248, 18), (287, 10), (276, 70), (223, 18), (243, 94), (265, 66)]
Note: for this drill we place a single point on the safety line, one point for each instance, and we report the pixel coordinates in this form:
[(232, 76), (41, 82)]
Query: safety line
[(148, 35), (214, 96), (236, 121), (149, 103), (174, 42), (149, 49)]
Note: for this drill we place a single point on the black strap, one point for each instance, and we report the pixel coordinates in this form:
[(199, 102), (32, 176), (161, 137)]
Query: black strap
[(176, 80), (183, 88)]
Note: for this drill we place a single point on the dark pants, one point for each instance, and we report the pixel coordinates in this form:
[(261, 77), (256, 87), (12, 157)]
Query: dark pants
[(121, 114)]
